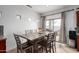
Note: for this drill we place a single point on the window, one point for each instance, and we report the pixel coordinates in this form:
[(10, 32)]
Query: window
[(47, 24), (53, 24), (57, 24)]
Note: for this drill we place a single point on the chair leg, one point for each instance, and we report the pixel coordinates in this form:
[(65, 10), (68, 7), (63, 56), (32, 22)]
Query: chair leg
[(52, 48), (46, 50), (55, 47), (22, 51), (42, 49), (32, 49), (17, 50)]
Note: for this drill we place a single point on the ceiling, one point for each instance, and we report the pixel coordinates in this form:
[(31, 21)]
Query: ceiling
[(47, 8)]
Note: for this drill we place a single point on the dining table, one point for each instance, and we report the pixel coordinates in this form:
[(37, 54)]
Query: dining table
[(36, 37)]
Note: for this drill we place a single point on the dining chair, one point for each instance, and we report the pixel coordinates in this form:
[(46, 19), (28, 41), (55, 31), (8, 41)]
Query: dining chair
[(49, 43), (53, 42), (39, 48), (26, 47), (45, 44)]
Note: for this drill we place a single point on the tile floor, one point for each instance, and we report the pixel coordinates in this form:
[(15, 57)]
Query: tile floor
[(60, 48)]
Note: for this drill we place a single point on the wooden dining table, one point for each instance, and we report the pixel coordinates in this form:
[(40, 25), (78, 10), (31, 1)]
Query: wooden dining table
[(36, 37)]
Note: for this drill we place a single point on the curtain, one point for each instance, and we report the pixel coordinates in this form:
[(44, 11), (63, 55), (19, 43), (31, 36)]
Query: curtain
[(42, 22), (62, 30)]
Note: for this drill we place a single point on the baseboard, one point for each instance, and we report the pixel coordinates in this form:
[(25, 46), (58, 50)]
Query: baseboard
[(12, 50)]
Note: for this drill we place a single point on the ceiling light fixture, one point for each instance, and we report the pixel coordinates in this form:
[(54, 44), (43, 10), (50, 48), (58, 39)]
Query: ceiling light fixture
[(29, 6)]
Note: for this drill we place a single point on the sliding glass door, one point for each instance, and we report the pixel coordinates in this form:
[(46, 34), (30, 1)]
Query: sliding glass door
[(54, 25), (57, 24), (57, 27)]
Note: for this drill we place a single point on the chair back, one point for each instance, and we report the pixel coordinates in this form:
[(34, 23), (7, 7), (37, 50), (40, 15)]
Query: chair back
[(18, 42), (51, 37), (18, 37)]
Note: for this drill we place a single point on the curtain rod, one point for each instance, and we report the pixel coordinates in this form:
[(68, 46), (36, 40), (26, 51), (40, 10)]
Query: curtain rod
[(60, 12)]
